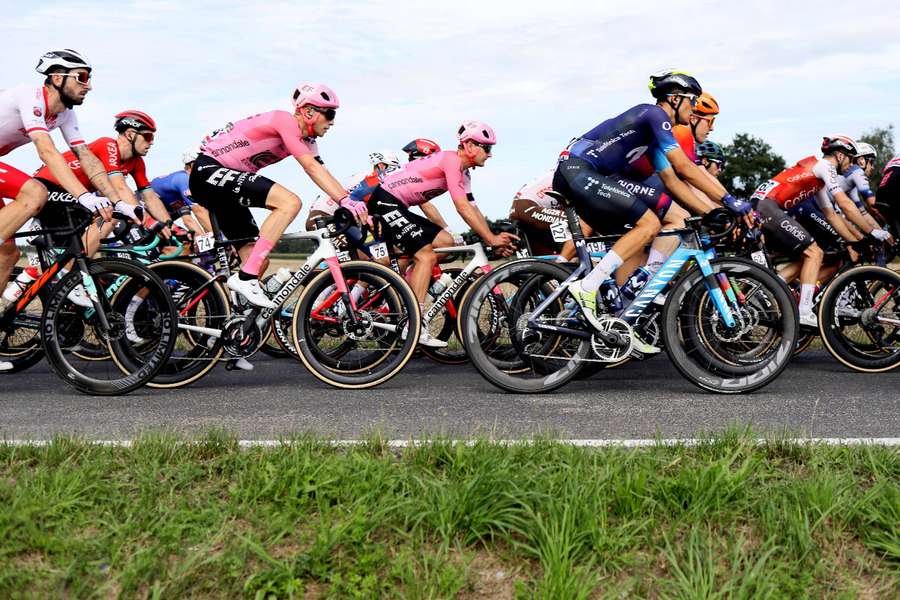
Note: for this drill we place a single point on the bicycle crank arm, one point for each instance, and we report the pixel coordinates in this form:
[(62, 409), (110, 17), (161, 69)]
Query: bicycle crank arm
[(205, 330)]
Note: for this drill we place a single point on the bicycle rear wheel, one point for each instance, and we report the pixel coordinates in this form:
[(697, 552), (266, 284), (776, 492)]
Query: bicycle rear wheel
[(366, 353), (20, 341), (134, 364), (859, 317)]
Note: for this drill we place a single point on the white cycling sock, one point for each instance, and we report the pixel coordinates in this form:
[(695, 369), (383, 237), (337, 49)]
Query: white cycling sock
[(601, 272), (806, 297), (356, 293), (132, 308), (655, 261)]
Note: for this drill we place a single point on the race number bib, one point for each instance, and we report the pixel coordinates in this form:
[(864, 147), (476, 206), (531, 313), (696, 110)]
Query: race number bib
[(759, 257), (560, 232), (379, 250), (595, 247), (205, 242)]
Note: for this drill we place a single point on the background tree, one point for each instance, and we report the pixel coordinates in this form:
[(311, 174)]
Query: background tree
[(749, 162), (882, 139)]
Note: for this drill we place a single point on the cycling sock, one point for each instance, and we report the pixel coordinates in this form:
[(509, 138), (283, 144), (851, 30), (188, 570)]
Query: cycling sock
[(257, 256), (601, 272), (655, 261), (246, 276), (806, 297), (356, 293)]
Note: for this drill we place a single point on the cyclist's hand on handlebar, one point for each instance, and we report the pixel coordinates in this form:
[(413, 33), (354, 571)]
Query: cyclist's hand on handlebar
[(136, 213), (738, 207), (357, 208), (97, 204), (503, 243)]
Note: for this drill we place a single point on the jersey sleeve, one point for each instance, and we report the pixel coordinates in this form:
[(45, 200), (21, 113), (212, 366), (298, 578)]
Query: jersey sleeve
[(286, 127), (661, 127), (107, 152), (458, 183), (823, 200), (827, 174), (32, 111), (139, 174), (180, 184), (70, 131), (861, 183)]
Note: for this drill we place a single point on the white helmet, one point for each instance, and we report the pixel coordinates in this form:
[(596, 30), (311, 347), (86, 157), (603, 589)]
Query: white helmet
[(65, 59), (864, 149), (385, 157), (189, 156)]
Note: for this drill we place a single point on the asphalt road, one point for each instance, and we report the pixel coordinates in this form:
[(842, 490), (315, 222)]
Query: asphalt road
[(815, 397)]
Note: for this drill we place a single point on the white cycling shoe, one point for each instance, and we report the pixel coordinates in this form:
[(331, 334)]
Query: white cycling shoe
[(79, 297), (5, 366), (251, 290), (809, 320), (425, 339), (243, 364)]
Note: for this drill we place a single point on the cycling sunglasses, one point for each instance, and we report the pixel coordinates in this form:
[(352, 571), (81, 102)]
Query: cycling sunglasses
[(692, 98), (485, 147), (147, 135), (709, 120), (328, 113), (83, 77)]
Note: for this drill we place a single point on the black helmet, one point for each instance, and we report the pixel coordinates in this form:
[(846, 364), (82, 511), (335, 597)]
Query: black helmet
[(672, 82), (711, 151)]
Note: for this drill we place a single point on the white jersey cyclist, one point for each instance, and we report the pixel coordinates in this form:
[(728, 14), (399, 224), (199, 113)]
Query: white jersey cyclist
[(23, 110), (326, 205), (856, 185), (536, 191)]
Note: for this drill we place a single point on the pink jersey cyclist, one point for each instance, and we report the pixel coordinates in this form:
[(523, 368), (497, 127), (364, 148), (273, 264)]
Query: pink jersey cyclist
[(427, 178), (225, 178), (258, 141)]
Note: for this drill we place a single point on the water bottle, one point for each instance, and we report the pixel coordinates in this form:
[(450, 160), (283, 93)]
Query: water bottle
[(609, 292), (277, 280), (16, 287), (635, 283)]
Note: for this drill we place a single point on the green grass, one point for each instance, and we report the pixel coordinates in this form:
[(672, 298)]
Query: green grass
[(725, 519)]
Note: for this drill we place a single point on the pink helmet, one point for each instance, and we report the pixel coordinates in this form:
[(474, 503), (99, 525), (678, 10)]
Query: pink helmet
[(476, 131), (316, 94)]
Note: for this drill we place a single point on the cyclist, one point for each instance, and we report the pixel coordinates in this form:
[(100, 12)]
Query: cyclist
[(797, 214), (359, 186), (424, 179), (590, 175), (711, 157), (120, 157), (27, 114), (420, 148), (175, 194), (226, 181)]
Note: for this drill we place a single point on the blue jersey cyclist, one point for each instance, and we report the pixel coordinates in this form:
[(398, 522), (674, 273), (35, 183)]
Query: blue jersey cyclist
[(590, 171), (173, 190)]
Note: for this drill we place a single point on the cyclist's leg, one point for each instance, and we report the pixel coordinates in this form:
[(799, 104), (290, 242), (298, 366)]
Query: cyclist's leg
[(285, 206), (9, 256), (29, 197), (604, 203)]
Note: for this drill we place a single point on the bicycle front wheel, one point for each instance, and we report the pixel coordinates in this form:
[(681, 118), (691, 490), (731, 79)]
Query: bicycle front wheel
[(115, 283), (368, 348)]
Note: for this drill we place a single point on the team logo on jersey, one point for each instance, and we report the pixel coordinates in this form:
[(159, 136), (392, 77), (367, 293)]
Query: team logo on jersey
[(262, 159), (667, 126), (37, 111)]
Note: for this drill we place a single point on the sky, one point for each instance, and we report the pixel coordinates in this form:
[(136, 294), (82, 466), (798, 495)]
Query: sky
[(539, 73)]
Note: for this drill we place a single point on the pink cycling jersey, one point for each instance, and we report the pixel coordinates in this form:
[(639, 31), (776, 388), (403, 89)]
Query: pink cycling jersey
[(421, 180), (258, 141)]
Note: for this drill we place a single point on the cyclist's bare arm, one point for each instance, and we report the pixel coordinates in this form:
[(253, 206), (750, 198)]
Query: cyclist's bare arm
[(51, 157), (683, 194), (434, 215), (848, 207), (95, 172), (694, 175), (841, 226), (321, 177), (155, 206)]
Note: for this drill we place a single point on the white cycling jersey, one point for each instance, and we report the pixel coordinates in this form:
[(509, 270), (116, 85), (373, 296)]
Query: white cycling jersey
[(536, 191), (23, 110), (856, 185)]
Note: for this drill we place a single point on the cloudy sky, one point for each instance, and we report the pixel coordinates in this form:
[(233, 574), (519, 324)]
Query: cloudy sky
[(538, 72)]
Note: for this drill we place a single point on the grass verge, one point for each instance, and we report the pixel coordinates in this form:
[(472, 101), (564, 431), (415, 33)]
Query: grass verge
[(727, 518)]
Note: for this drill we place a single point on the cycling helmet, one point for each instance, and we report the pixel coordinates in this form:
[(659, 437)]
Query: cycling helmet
[(189, 156), (134, 119), (711, 151), (476, 131), (672, 82), (706, 105), (57, 60), (386, 157), (865, 150), (315, 94), (844, 143), (894, 163), (420, 148)]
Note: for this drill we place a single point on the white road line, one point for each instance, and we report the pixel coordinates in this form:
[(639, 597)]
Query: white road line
[(611, 443)]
